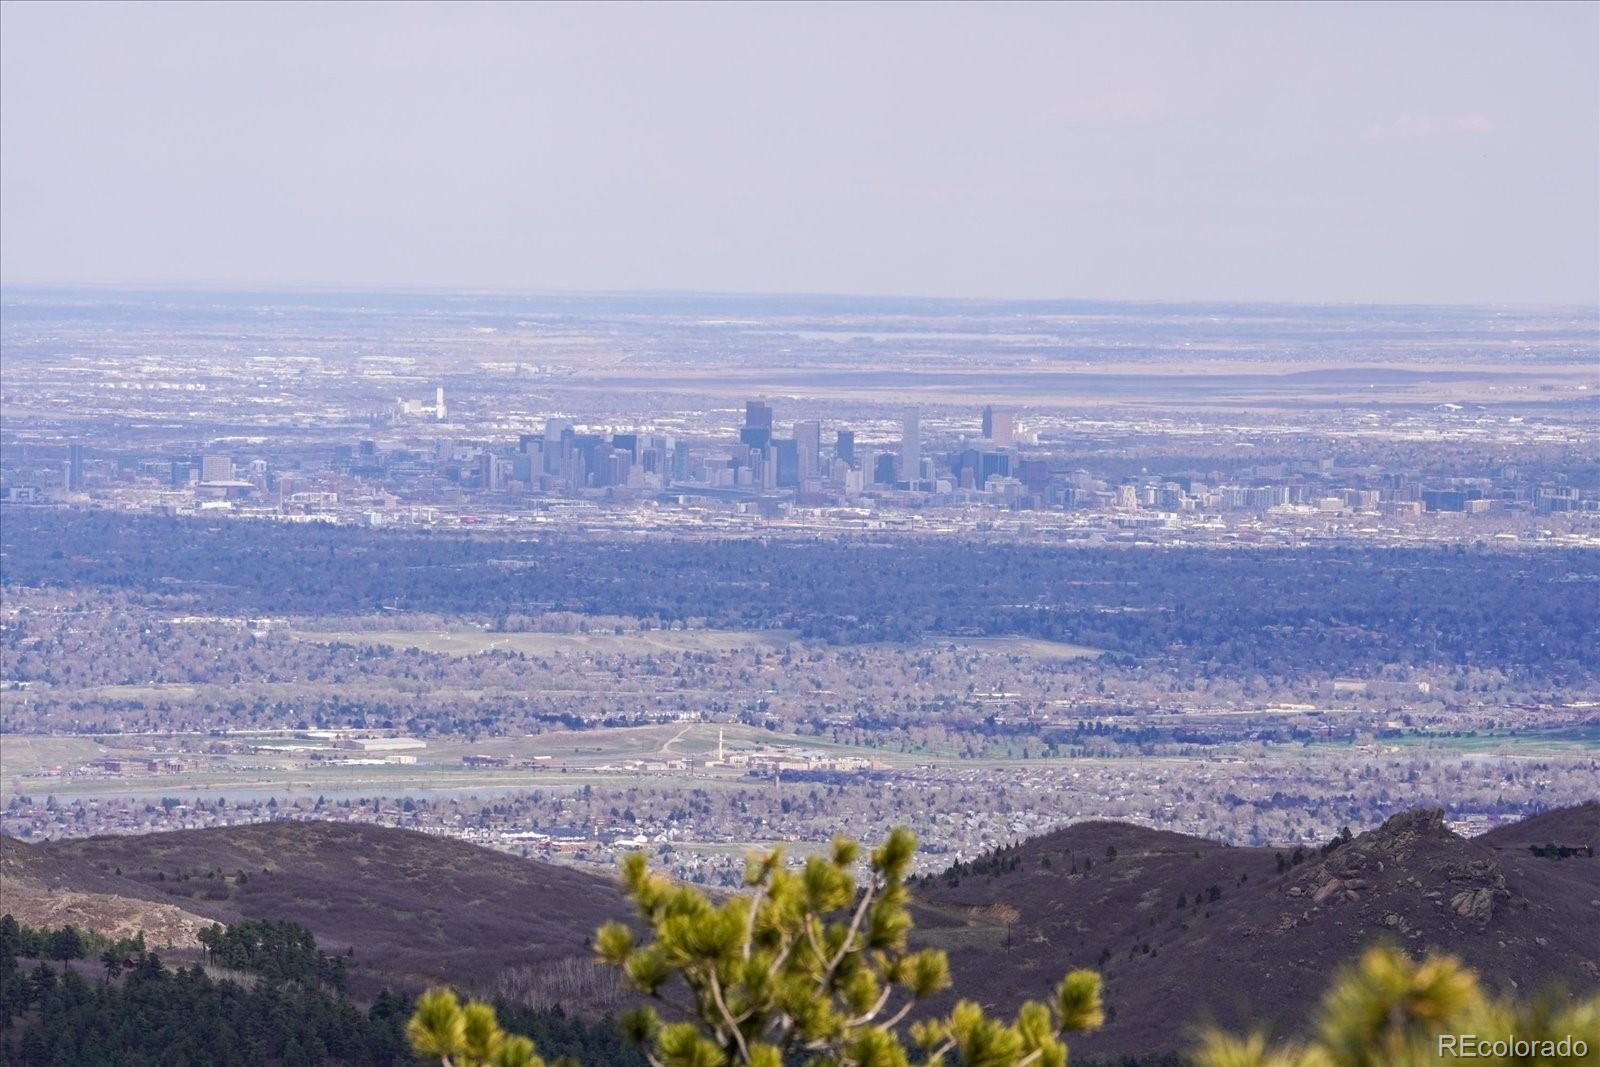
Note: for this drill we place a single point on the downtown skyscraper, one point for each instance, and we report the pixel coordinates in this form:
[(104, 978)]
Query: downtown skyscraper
[(911, 447)]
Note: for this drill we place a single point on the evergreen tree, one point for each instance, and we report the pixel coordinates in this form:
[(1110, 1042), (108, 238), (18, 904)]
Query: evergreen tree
[(806, 965), (810, 967), (1387, 1010), (465, 1036), (65, 944)]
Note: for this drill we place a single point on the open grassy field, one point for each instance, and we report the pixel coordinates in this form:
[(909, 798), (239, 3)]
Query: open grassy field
[(468, 642), (21, 754), (574, 759), (141, 692), (1540, 743), (1029, 648), (663, 740), (560, 760)]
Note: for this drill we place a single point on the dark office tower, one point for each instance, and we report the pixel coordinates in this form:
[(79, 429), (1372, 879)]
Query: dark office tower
[(367, 449), (1444, 500), (994, 465), (75, 466), (181, 470), (969, 469), (999, 425), (590, 446), (653, 456), (680, 461), (788, 462), (757, 429), (629, 441), (883, 473), (1035, 474), (592, 455), (845, 447)]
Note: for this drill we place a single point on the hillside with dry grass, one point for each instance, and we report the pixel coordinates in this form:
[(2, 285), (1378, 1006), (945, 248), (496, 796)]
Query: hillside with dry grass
[(1237, 936), (415, 908), (1187, 931)]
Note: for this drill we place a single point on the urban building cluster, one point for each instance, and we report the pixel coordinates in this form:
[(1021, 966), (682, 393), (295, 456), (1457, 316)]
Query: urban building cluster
[(762, 468)]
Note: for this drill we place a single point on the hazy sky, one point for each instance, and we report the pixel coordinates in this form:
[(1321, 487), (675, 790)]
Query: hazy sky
[(1374, 152)]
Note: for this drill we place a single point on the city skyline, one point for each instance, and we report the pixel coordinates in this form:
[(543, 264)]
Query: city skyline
[(378, 408), (1001, 465)]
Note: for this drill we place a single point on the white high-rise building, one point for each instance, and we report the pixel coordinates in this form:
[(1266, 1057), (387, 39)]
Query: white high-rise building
[(438, 403), (553, 454), (808, 441), (911, 447)]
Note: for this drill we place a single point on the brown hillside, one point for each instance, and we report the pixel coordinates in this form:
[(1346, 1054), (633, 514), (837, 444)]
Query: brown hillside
[(1250, 945), (1577, 825), (416, 908), (43, 889), (1262, 950)]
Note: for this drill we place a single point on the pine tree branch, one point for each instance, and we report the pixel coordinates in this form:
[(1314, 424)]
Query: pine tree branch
[(899, 1016), (855, 927), (783, 957), (868, 1016), (816, 949), (750, 920), (722, 1006)]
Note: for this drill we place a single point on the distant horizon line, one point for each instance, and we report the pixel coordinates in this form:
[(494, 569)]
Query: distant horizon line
[(397, 289)]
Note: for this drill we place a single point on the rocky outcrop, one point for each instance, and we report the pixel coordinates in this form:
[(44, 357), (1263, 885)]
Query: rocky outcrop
[(1412, 860), (163, 925)]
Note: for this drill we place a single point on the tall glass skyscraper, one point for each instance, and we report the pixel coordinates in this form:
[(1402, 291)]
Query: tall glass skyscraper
[(911, 448)]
